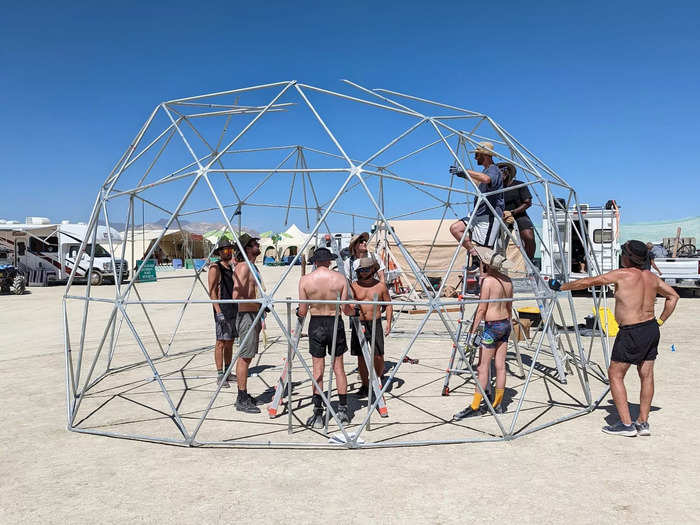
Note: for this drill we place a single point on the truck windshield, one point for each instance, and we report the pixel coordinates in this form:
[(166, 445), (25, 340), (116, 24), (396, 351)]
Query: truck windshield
[(99, 251)]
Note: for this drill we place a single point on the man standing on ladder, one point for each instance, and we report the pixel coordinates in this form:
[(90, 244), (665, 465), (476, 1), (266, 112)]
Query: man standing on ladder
[(517, 201), (365, 289), (244, 287), (220, 278), (484, 230), (494, 341), (636, 342), (323, 284)]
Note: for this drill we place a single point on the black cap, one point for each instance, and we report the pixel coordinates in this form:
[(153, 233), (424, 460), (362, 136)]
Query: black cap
[(322, 255)]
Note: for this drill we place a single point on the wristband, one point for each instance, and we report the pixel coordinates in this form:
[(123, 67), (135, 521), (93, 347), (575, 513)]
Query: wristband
[(660, 321)]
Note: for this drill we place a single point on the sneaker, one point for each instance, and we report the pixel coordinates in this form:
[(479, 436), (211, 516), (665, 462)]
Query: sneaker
[(245, 404), (620, 429), (467, 412), (316, 419), (342, 414), (221, 380), (362, 391), (642, 428)]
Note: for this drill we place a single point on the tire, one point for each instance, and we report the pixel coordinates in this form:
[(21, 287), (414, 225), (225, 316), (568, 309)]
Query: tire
[(687, 250), (18, 285), (97, 278)]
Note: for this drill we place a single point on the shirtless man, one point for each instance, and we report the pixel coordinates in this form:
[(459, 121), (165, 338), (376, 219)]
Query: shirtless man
[(494, 341), (364, 289), (244, 287), (324, 284), (636, 342)]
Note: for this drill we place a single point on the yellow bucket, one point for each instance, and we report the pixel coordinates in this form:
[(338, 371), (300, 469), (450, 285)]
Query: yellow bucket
[(608, 322)]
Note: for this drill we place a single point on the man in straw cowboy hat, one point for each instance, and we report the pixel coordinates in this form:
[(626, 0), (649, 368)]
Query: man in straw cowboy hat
[(364, 289), (494, 340), (636, 342), (358, 249), (244, 287), (220, 277), (484, 229), (323, 284)]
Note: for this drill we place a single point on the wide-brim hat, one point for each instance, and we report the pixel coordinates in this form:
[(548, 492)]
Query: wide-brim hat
[(484, 147), (507, 169), (357, 238), (494, 259), (223, 243), (368, 262), (322, 255), (245, 239), (637, 251)]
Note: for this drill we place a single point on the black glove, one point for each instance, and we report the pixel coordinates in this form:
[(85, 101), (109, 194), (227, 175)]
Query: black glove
[(454, 170), (219, 317), (555, 285)]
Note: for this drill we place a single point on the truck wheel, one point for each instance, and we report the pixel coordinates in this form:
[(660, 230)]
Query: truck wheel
[(96, 279), (18, 285)]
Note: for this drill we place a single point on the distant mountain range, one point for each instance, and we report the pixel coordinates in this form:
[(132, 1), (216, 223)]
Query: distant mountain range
[(194, 227)]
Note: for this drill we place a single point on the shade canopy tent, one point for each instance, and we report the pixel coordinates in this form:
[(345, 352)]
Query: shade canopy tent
[(428, 242), (175, 244), (292, 240)]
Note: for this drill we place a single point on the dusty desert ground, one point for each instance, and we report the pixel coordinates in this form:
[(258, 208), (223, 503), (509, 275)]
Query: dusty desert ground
[(570, 472)]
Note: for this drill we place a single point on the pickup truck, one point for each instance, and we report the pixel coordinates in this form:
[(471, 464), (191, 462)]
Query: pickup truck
[(680, 272)]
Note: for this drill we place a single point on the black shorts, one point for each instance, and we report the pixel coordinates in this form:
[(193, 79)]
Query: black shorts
[(636, 343), (226, 329), (321, 336), (524, 222), (366, 326)]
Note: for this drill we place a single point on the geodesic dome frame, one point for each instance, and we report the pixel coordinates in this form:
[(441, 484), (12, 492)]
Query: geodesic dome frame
[(230, 173)]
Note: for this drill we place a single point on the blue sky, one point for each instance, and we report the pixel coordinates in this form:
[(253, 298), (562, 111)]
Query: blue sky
[(605, 92)]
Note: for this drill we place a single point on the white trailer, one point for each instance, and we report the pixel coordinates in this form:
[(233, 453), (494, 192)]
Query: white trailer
[(46, 252), (597, 225)]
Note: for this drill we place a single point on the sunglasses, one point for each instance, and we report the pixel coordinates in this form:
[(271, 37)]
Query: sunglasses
[(364, 270)]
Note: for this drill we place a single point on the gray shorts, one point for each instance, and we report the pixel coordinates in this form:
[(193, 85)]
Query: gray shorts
[(226, 329), (484, 230), (244, 323)]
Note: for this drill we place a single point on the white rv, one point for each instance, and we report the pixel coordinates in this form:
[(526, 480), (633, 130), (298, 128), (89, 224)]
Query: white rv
[(600, 228), (46, 252)]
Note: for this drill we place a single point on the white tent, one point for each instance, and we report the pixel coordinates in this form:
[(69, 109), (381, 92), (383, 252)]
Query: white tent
[(292, 241)]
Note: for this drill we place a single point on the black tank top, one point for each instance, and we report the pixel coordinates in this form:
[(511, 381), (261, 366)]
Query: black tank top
[(226, 290)]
